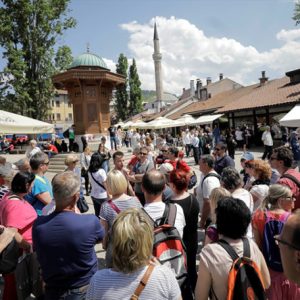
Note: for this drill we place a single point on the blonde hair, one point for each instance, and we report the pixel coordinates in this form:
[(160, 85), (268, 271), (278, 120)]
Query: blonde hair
[(276, 191), (132, 240), (116, 182), (70, 159), (87, 149), (216, 195)]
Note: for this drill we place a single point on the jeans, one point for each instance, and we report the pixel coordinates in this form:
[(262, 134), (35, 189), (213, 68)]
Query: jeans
[(113, 142), (188, 148), (62, 294), (268, 152), (97, 205), (105, 166)]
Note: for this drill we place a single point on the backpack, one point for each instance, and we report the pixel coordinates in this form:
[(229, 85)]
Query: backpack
[(9, 257), (244, 278), (168, 247), (192, 181), (210, 175), (270, 248)]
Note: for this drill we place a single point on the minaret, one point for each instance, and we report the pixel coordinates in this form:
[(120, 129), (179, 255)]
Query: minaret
[(157, 66)]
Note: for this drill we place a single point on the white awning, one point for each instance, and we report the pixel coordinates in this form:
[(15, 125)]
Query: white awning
[(292, 118), (207, 119), (12, 123)]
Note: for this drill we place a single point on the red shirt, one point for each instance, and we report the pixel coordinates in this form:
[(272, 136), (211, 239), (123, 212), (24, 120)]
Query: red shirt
[(52, 148), (179, 165), (292, 185)]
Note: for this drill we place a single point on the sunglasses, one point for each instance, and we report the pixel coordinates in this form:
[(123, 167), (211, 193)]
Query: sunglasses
[(278, 241), (290, 198), (143, 153), (46, 163)]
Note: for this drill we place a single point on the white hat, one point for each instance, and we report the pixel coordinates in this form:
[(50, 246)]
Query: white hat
[(166, 168)]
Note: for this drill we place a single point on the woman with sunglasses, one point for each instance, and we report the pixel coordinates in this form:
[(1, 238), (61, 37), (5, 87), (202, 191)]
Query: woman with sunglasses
[(276, 206), (142, 166)]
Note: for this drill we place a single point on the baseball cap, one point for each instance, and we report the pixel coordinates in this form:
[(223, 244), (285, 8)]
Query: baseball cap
[(166, 168), (247, 156)]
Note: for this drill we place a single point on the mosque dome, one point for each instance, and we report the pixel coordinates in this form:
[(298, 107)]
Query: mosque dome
[(88, 60)]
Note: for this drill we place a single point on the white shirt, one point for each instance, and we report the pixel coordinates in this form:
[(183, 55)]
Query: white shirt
[(186, 139), (239, 135), (156, 211), (97, 191), (85, 160), (267, 138), (30, 152), (195, 141), (204, 190)]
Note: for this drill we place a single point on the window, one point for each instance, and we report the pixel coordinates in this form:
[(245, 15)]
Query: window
[(70, 117), (53, 117), (52, 103), (69, 104), (57, 103), (58, 117)]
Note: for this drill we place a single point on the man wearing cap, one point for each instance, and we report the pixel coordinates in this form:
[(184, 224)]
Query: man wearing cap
[(166, 169), (289, 245), (268, 142)]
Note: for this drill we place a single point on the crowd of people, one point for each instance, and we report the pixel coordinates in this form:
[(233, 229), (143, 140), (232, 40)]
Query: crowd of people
[(250, 214)]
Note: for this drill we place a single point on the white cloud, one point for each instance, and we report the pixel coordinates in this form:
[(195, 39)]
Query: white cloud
[(188, 53)]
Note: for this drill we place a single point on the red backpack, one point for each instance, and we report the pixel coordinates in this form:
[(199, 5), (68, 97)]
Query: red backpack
[(244, 279)]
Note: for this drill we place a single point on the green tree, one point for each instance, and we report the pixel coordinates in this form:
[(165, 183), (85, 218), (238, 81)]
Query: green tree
[(28, 33), (121, 105), (63, 58), (296, 16), (135, 92)]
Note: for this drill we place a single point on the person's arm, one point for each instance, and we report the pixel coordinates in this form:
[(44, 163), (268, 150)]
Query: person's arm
[(265, 273), (205, 212), (21, 242), (105, 226), (203, 282), (44, 197)]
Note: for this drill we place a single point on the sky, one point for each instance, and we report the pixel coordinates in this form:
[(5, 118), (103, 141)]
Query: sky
[(198, 38)]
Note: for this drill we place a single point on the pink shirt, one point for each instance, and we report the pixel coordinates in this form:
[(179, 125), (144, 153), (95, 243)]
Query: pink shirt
[(18, 214)]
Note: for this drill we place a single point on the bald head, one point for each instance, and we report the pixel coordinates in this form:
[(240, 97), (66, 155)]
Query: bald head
[(289, 245), (153, 183)]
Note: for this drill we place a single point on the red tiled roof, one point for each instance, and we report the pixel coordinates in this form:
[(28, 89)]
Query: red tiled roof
[(274, 92)]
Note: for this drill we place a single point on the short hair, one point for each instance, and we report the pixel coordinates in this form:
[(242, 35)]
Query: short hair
[(275, 192), (233, 217), (153, 182), (132, 240), (33, 142), (222, 145), (2, 160), (209, 160), (261, 168), (64, 186), (174, 151), (7, 172), (231, 178), (71, 158), (118, 153), (37, 159), (21, 163), (21, 182), (285, 154), (180, 179), (96, 162), (116, 182)]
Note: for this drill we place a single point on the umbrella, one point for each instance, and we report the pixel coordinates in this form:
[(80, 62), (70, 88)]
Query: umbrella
[(184, 120), (292, 118), (159, 123)]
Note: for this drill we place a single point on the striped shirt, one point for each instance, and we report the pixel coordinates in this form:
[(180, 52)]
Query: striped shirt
[(3, 190), (107, 284)]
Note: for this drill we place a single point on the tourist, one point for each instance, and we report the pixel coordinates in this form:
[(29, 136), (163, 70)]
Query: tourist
[(97, 177), (23, 165), (166, 169), (195, 146), (143, 166), (50, 149), (276, 206), (216, 134), (261, 171), (153, 185), (239, 137), (223, 160), (135, 140), (282, 160), (231, 181), (32, 149), (231, 143), (186, 140), (211, 233), (7, 174), (268, 142), (41, 192), (209, 179), (19, 215), (163, 155), (85, 159), (65, 241), (179, 182), (177, 162), (119, 201), (295, 148), (105, 153), (246, 176), (119, 162), (232, 218), (289, 245), (132, 245), (134, 158), (112, 136)]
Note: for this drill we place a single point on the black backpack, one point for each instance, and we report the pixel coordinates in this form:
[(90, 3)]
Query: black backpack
[(9, 257)]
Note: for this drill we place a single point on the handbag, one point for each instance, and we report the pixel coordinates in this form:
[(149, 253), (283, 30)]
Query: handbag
[(82, 205), (28, 278), (101, 185), (84, 172)]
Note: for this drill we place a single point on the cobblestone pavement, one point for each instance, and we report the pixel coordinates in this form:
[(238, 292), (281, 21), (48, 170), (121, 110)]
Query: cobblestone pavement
[(257, 152)]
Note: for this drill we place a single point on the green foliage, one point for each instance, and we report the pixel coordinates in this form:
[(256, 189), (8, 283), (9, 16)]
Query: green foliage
[(135, 92), (63, 58), (296, 16), (121, 106), (28, 32)]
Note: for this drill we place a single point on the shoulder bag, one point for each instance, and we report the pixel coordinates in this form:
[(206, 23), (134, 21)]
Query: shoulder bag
[(101, 185)]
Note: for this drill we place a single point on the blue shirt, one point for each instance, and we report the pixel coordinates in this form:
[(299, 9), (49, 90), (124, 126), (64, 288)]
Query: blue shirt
[(40, 185), (64, 243)]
